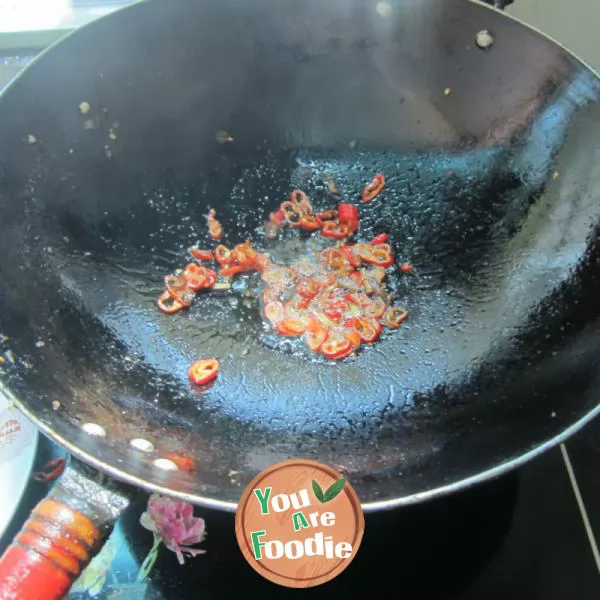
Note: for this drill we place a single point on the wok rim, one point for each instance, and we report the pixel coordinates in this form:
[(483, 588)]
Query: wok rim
[(373, 506)]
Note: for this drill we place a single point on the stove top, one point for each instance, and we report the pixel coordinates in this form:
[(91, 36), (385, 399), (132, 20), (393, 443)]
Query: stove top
[(528, 535)]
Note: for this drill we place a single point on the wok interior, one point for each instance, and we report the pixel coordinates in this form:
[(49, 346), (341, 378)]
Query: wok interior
[(490, 194)]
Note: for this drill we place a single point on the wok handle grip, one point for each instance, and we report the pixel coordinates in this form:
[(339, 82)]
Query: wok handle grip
[(64, 532), (49, 553)]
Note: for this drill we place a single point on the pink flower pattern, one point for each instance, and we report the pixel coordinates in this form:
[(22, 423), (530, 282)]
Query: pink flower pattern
[(174, 522)]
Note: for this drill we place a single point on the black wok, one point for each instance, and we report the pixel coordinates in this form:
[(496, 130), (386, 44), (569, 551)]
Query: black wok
[(492, 194)]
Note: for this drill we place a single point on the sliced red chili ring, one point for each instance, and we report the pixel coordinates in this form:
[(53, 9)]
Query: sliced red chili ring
[(382, 238), (353, 258), (335, 309), (374, 188), (380, 255), (50, 471), (211, 278), (337, 259), (337, 349), (300, 199), (315, 336), (348, 214), (222, 255), (185, 463), (327, 215), (290, 327), (203, 371), (309, 223), (231, 270), (195, 276), (215, 230), (201, 255), (394, 317), (274, 312), (368, 329), (335, 230), (177, 286), (168, 304), (293, 214), (307, 288), (333, 313), (406, 267)]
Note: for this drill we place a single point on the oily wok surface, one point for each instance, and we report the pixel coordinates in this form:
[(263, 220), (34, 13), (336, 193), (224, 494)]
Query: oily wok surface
[(491, 194)]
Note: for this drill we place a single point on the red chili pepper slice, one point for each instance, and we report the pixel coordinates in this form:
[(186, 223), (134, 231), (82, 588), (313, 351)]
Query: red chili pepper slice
[(301, 200), (406, 267), (293, 213), (50, 471), (395, 317), (335, 309), (203, 371), (374, 188), (327, 215), (309, 223), (231, 270), (202, 255), (316, 335), (307, 288), (274, 312), (353, 258), (290, 327), (337, 259), (382, 238), (338, 349), (177, 286), (168, 304), (380, 255), (215, 230), (222, 255), (335, 230), (211, 277), (195, 276), (368, 329), (348, 215), (185, 463)]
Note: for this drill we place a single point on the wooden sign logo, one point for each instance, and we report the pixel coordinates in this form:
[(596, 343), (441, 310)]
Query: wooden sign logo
[(299, 523)]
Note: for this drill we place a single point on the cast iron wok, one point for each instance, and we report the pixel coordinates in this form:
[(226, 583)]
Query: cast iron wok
[(491, 161)]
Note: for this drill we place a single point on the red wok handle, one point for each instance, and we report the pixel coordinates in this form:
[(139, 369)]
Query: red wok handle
[(65, 531)]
